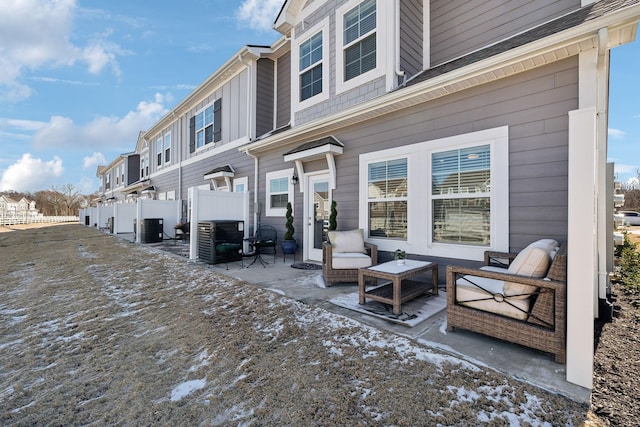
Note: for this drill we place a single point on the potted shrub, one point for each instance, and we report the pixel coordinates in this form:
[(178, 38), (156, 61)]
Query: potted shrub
[(333, 224), (400, 256), (289, 244)]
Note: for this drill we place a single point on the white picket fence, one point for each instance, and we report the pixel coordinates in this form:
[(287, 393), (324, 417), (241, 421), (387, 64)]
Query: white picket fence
[(37, 220)]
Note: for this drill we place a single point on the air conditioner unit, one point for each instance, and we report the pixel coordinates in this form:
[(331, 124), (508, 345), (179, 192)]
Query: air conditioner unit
[(220, 241), (151, 230)]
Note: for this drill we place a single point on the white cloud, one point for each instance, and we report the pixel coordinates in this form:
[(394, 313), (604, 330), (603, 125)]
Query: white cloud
[(36, 34), (93, 160), (258, 14), (106, 133), (617, 133), (31, 174)]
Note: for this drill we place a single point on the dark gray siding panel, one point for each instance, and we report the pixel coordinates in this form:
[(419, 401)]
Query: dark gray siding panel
[(133, 169), (461, 26), (284, 90), (264, 97), (411, 36)]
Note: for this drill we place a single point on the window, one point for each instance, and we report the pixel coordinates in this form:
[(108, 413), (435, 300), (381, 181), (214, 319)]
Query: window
[(167, 147), (359, 39), (117, 175), (311, 67), (241, 185), (447, 197), (107, 182), (159, 150), (122, 173), (142, 167), (461, 195), (387, 199), (279, 191), (204, 127)]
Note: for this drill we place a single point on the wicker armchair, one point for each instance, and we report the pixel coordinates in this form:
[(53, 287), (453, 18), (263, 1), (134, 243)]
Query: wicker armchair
[(333, 275), (541, 325)]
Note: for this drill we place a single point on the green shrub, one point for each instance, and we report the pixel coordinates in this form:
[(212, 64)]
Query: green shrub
[(629, 273)]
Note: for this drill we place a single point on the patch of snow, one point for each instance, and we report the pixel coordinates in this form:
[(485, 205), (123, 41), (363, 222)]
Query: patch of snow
[(186, 388)]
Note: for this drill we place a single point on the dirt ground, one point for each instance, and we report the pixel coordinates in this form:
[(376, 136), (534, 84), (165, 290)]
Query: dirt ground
[(95, 330)]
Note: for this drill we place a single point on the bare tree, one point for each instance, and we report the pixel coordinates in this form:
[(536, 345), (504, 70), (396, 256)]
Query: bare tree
[(71, 198)]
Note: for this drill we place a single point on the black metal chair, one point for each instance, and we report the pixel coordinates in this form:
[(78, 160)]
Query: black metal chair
[(266, 237)]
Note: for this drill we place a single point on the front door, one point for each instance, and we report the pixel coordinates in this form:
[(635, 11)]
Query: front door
[(318, 202)]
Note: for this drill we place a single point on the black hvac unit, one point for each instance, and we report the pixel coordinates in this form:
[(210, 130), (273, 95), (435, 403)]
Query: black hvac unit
[(87, 220), (220, 241), (151, 230), (110, 222)]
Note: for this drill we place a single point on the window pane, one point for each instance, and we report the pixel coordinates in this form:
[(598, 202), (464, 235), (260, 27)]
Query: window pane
[(360, 58), (208, 115), (311, 83), (279, 185), (279, 200), (200, 139), (199, 120), (388, 179), (388, 220), (462, 171), (463, 221), (208, 134)]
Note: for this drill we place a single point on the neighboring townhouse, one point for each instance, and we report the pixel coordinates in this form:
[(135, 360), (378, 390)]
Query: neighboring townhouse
[(22, 210), (123, 171), (442, 128)]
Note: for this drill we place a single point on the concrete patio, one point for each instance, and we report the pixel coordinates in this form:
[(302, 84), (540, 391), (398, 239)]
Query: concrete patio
[(308, 287)]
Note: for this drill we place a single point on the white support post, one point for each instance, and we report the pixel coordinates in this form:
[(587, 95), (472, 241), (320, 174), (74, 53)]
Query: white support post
[(582, 265)]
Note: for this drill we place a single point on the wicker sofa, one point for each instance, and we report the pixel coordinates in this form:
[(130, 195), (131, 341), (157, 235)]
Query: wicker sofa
[(534, 315), (344, 254)]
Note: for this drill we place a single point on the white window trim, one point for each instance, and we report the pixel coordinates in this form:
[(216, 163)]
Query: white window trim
[(297, 105), (420, 239), (241, 181), (288, 173), (383, 8)]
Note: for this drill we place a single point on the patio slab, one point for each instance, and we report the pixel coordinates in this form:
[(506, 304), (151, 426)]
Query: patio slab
[(307, 286)]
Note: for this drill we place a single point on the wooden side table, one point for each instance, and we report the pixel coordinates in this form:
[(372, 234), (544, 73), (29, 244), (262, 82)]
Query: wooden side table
[(402, 288)]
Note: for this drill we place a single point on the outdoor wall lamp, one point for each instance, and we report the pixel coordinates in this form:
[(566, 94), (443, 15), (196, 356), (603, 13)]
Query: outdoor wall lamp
[(294, 179)]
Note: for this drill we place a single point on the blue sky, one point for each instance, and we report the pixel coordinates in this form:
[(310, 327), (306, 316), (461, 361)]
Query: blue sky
[(79, 79)]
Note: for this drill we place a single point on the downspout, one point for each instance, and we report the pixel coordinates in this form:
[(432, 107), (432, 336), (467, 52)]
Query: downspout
[(397, 69), (604, 307), (256, 209), (249, 97)]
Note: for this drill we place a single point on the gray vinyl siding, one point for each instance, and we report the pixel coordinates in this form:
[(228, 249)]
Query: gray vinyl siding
[(283, 114), (461, 26), (411, 36), (534, 105), (167, 181), (264, 97)]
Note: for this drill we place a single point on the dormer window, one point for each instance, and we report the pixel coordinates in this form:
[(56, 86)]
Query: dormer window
[(359, 41)]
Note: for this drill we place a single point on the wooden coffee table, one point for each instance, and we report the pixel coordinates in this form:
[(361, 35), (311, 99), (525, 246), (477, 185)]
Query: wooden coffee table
[(402, 288)]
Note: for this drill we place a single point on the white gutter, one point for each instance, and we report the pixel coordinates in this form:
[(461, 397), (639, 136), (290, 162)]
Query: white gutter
[(250, 92), (397, 70), (255, 189)]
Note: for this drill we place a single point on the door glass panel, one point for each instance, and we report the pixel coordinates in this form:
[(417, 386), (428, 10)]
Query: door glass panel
[(320, 213)]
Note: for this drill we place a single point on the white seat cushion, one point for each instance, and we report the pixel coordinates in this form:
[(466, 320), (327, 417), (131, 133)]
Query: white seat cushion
[(348, 261), (347, 241), (474, 297)]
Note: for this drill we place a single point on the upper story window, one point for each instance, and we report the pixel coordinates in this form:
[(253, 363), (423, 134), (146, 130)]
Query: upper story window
[(159, 150), (122, 173), (360, 48), (311, 67), (107, 182), (167, 147), (205, 126), (310, 63), (359, 41)]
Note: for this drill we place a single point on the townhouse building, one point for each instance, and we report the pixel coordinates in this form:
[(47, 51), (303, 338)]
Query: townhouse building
[(442, 128)]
